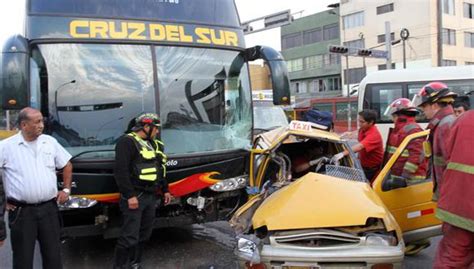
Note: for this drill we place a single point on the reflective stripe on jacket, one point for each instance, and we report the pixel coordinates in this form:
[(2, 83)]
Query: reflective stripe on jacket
[(412, 164), (151, 160), (456, 203), (440, 127)]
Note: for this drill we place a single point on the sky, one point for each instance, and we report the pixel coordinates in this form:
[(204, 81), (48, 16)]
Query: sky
[(11, 14)]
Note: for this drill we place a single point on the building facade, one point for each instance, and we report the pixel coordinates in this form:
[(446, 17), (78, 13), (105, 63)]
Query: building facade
[(313, 71), (441, 32)]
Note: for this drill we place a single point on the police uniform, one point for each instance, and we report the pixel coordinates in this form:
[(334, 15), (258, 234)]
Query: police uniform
[(139, 172)]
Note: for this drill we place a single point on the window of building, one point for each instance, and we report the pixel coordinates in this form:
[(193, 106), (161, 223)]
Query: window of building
[(323, 107), (341, 110), (381, 38), (448, 62), (469, 39), (295, 65), (468, 10), (355, 75), (449, 36), (384, 66), (334, 84), (385, 9), (331, 31), (312, 62), (291, 41), (332, 59), (357, 43), (448, 7), (353, 20), (312, 36), (469, 63)]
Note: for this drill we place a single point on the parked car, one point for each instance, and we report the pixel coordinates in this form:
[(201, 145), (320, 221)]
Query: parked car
[(331, 216)]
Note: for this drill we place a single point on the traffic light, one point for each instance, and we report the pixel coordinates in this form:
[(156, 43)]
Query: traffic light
[(338, 49), (364, 52)]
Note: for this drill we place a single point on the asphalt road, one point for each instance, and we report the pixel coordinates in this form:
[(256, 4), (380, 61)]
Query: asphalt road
[(208, 246)]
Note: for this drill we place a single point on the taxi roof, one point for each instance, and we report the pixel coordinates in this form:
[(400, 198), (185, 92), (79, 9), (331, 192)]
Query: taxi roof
[(302, 129)]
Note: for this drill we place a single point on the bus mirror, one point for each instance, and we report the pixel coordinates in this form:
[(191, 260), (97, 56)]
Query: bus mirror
[(14, 70), (278, 72)]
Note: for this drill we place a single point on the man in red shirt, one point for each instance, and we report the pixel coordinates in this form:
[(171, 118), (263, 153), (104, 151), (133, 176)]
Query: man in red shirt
[(370, 146)]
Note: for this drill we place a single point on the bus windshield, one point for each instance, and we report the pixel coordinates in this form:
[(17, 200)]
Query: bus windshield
[(93, 91)]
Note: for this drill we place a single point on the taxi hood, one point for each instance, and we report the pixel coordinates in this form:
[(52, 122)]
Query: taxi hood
[(321, 201)]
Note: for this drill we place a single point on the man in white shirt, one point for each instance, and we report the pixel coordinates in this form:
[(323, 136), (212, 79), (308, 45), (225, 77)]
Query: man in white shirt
[(29, 160)]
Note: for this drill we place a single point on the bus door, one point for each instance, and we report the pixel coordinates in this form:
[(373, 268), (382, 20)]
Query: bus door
[(409, 199)]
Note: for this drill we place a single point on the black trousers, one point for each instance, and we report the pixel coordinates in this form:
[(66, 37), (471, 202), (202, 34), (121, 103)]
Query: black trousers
[(370, 173), (136, 228), (30, 223)]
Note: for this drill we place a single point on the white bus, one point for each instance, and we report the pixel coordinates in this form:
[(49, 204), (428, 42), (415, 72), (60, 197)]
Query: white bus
[(377, 90)]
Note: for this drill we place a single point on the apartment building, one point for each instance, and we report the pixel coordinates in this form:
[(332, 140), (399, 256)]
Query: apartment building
[(441, 32), (313, 71)]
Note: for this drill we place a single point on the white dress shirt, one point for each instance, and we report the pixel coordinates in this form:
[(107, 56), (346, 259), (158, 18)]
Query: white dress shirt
[(29, 171)]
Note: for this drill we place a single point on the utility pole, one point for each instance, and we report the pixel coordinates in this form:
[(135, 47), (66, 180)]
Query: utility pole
[(349, 116), (439, 28), (388, 45)]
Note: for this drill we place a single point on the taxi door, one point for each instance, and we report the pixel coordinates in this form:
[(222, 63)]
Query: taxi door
[(410, 202)]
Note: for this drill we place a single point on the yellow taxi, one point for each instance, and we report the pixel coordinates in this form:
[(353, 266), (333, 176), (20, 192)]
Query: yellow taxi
[(328, 216)]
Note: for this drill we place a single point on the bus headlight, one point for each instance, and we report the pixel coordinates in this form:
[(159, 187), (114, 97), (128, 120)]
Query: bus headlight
[(77, 202), (248, 248), (230, 184)]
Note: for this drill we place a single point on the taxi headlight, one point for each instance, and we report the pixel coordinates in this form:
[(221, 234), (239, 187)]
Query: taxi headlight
[(230, 184), (248, 248), (380, 240)]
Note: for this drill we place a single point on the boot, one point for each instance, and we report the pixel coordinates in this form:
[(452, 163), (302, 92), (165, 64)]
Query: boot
[(121, 258)]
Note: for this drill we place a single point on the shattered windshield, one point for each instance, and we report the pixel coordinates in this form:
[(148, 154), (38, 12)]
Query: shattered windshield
[(204, 99)]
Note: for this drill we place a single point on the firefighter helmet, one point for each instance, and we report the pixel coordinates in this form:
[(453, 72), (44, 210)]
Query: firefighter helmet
[(401, 106), (434, 92)]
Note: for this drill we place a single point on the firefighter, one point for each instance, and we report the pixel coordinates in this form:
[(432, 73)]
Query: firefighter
[(435, 99), (140, 176), (456, 203), (412, 164)]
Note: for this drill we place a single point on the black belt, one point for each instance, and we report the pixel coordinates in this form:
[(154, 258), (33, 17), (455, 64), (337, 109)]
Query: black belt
[(24, 204)]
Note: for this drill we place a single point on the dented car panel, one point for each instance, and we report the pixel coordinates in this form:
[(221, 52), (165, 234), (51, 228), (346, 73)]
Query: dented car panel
[(328, 217), (351, 204)]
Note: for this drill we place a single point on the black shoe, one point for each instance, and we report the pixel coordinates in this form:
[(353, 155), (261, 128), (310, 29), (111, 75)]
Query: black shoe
[(121, 258)]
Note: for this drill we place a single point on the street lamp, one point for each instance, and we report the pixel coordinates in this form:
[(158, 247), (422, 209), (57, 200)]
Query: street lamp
[(56, 96)]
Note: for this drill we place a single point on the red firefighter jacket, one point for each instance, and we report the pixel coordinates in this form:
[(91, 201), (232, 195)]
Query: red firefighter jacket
[(412, 164), (440, 126), (456, 203)]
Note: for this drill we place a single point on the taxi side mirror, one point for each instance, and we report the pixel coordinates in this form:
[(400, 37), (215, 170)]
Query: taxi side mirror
[(394, 182)]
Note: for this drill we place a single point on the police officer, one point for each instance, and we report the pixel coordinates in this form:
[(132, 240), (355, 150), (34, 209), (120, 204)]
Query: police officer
[(140, 175)]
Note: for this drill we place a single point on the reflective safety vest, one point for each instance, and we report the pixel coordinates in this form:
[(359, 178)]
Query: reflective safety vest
[(151, 159), (412, 163), (456, 203)]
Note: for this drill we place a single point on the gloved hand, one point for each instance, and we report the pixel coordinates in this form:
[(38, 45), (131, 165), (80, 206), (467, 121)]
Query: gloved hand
[(336, 158), (315, 161)]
